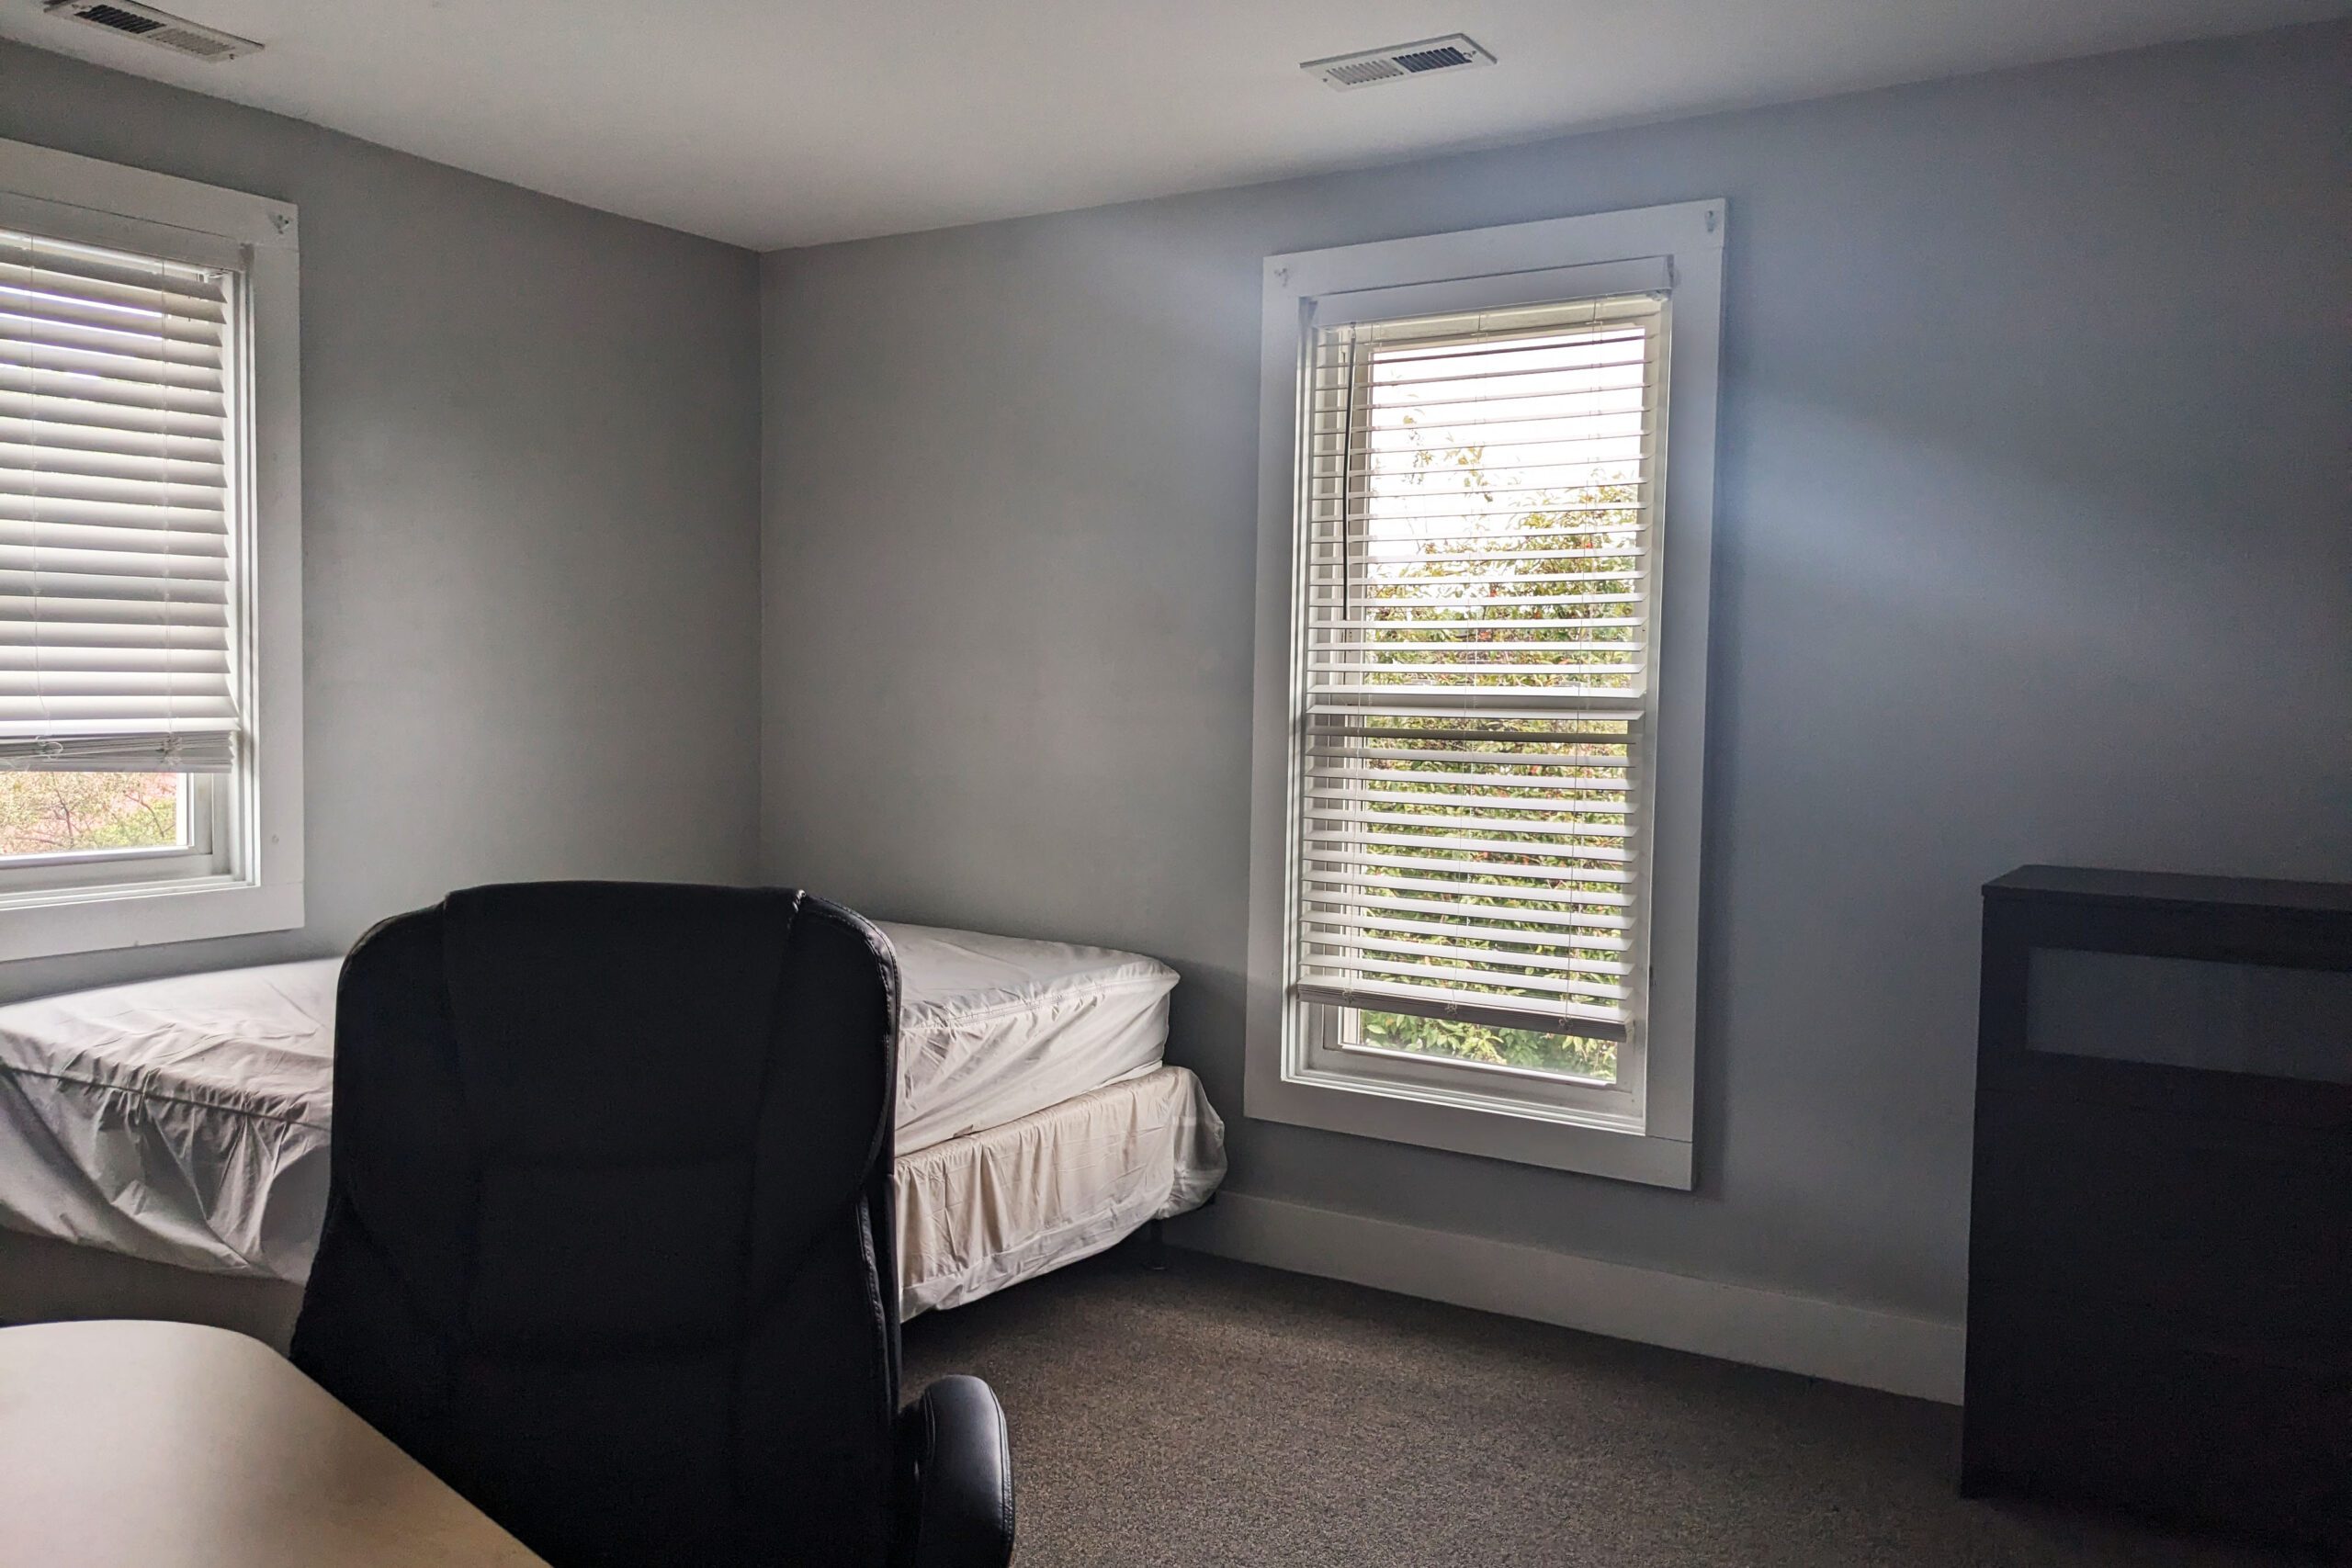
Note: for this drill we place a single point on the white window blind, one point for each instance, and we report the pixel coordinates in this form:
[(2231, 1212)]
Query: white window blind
[(1475, 628), (117, 468)]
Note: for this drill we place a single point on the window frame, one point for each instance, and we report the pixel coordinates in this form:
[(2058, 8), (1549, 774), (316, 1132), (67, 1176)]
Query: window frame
[(1641, 1129), (246, 876)]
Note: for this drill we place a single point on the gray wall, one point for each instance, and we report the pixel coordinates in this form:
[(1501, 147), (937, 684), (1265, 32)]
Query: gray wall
[(530, 519), (2034, 546)]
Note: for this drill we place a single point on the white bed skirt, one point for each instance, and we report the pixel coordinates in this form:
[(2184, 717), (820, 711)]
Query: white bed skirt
[(975, 1213), (185, 1122), (990, 1209)]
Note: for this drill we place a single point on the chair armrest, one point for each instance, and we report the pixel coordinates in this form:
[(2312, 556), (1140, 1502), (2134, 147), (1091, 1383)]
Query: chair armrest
[(957, 1463)]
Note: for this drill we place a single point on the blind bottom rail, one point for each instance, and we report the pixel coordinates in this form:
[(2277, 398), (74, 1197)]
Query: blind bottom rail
[(198, 751), (1546, 1020)]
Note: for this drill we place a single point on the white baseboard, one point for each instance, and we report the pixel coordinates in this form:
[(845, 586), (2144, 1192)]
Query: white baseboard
[(1919, 1357)]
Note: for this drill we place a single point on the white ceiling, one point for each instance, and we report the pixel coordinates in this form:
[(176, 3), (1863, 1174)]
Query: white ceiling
[(790, 122)]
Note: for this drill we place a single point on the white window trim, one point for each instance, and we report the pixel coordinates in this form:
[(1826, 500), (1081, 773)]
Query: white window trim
[(67, 196), (1654, 1144)]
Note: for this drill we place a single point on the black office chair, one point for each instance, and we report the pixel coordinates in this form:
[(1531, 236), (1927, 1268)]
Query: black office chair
[(609, 1239)]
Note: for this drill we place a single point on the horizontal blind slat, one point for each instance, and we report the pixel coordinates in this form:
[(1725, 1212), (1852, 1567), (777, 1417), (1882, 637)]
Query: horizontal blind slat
[(1504, 601), (1506, 402), (1334, 776), (76, 265), (68, 323), (137, 657), (36, 497), (1503, 550), (1575, 430), (1387, 906), (1392, 589), (1563, 1015), (121, 392), (1468, 362), (43, 309), (126, 294), (1495, 670), (1474, 890), (51, 542), (1431, 853), (1349, 792), (48, 690), (90, 469), (70, 713), (1351, 795), (68, 415), (1378, 918), (1359, 939), (22, 614), (116, 367), (1340, 861), (1466, 365), (1595, 475), (210, 571), (87, 589), (1425, 617), (1464, 975), (1468, 811)]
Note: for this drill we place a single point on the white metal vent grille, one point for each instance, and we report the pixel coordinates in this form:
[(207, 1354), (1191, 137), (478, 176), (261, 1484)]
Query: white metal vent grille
[(1475, 631), (1345, 71), (149, 25)]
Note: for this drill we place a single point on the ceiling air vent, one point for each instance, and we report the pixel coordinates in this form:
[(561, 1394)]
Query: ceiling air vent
[(1452, 52), (150, 25)]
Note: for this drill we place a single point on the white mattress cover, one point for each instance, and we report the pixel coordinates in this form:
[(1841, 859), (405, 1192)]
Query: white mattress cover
[(182, 1121), (186, 1120), (991, 1028), (992, 1209)]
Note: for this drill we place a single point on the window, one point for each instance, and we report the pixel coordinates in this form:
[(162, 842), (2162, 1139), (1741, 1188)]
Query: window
[(1474, 913), (150, 663)]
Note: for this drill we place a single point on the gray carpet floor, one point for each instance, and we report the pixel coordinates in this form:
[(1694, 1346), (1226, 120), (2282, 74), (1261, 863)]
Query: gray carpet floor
[(1220, 1414)]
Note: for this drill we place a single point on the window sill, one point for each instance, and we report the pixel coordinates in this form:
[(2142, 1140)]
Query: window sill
[(97, 918), (1559, 1139)]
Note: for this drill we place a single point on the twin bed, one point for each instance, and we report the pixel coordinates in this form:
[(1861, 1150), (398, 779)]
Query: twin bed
[(185, 1121)]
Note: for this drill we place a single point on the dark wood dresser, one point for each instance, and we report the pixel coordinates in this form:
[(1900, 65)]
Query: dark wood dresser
[(2160, 1267)]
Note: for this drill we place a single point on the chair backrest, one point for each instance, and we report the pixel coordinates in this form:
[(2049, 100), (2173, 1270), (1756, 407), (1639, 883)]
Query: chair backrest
[(608, 1240)]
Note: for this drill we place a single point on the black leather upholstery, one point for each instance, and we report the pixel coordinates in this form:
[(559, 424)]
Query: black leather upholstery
[(609, 1243), (959, 1473)]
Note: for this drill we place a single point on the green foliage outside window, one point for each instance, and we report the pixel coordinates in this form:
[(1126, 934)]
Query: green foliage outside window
[(1566, 1053), (53, 812)]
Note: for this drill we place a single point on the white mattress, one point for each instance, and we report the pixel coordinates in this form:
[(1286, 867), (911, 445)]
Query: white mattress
[(182, 1121), (186, 1121), (990, 1209), (991, 1028)]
